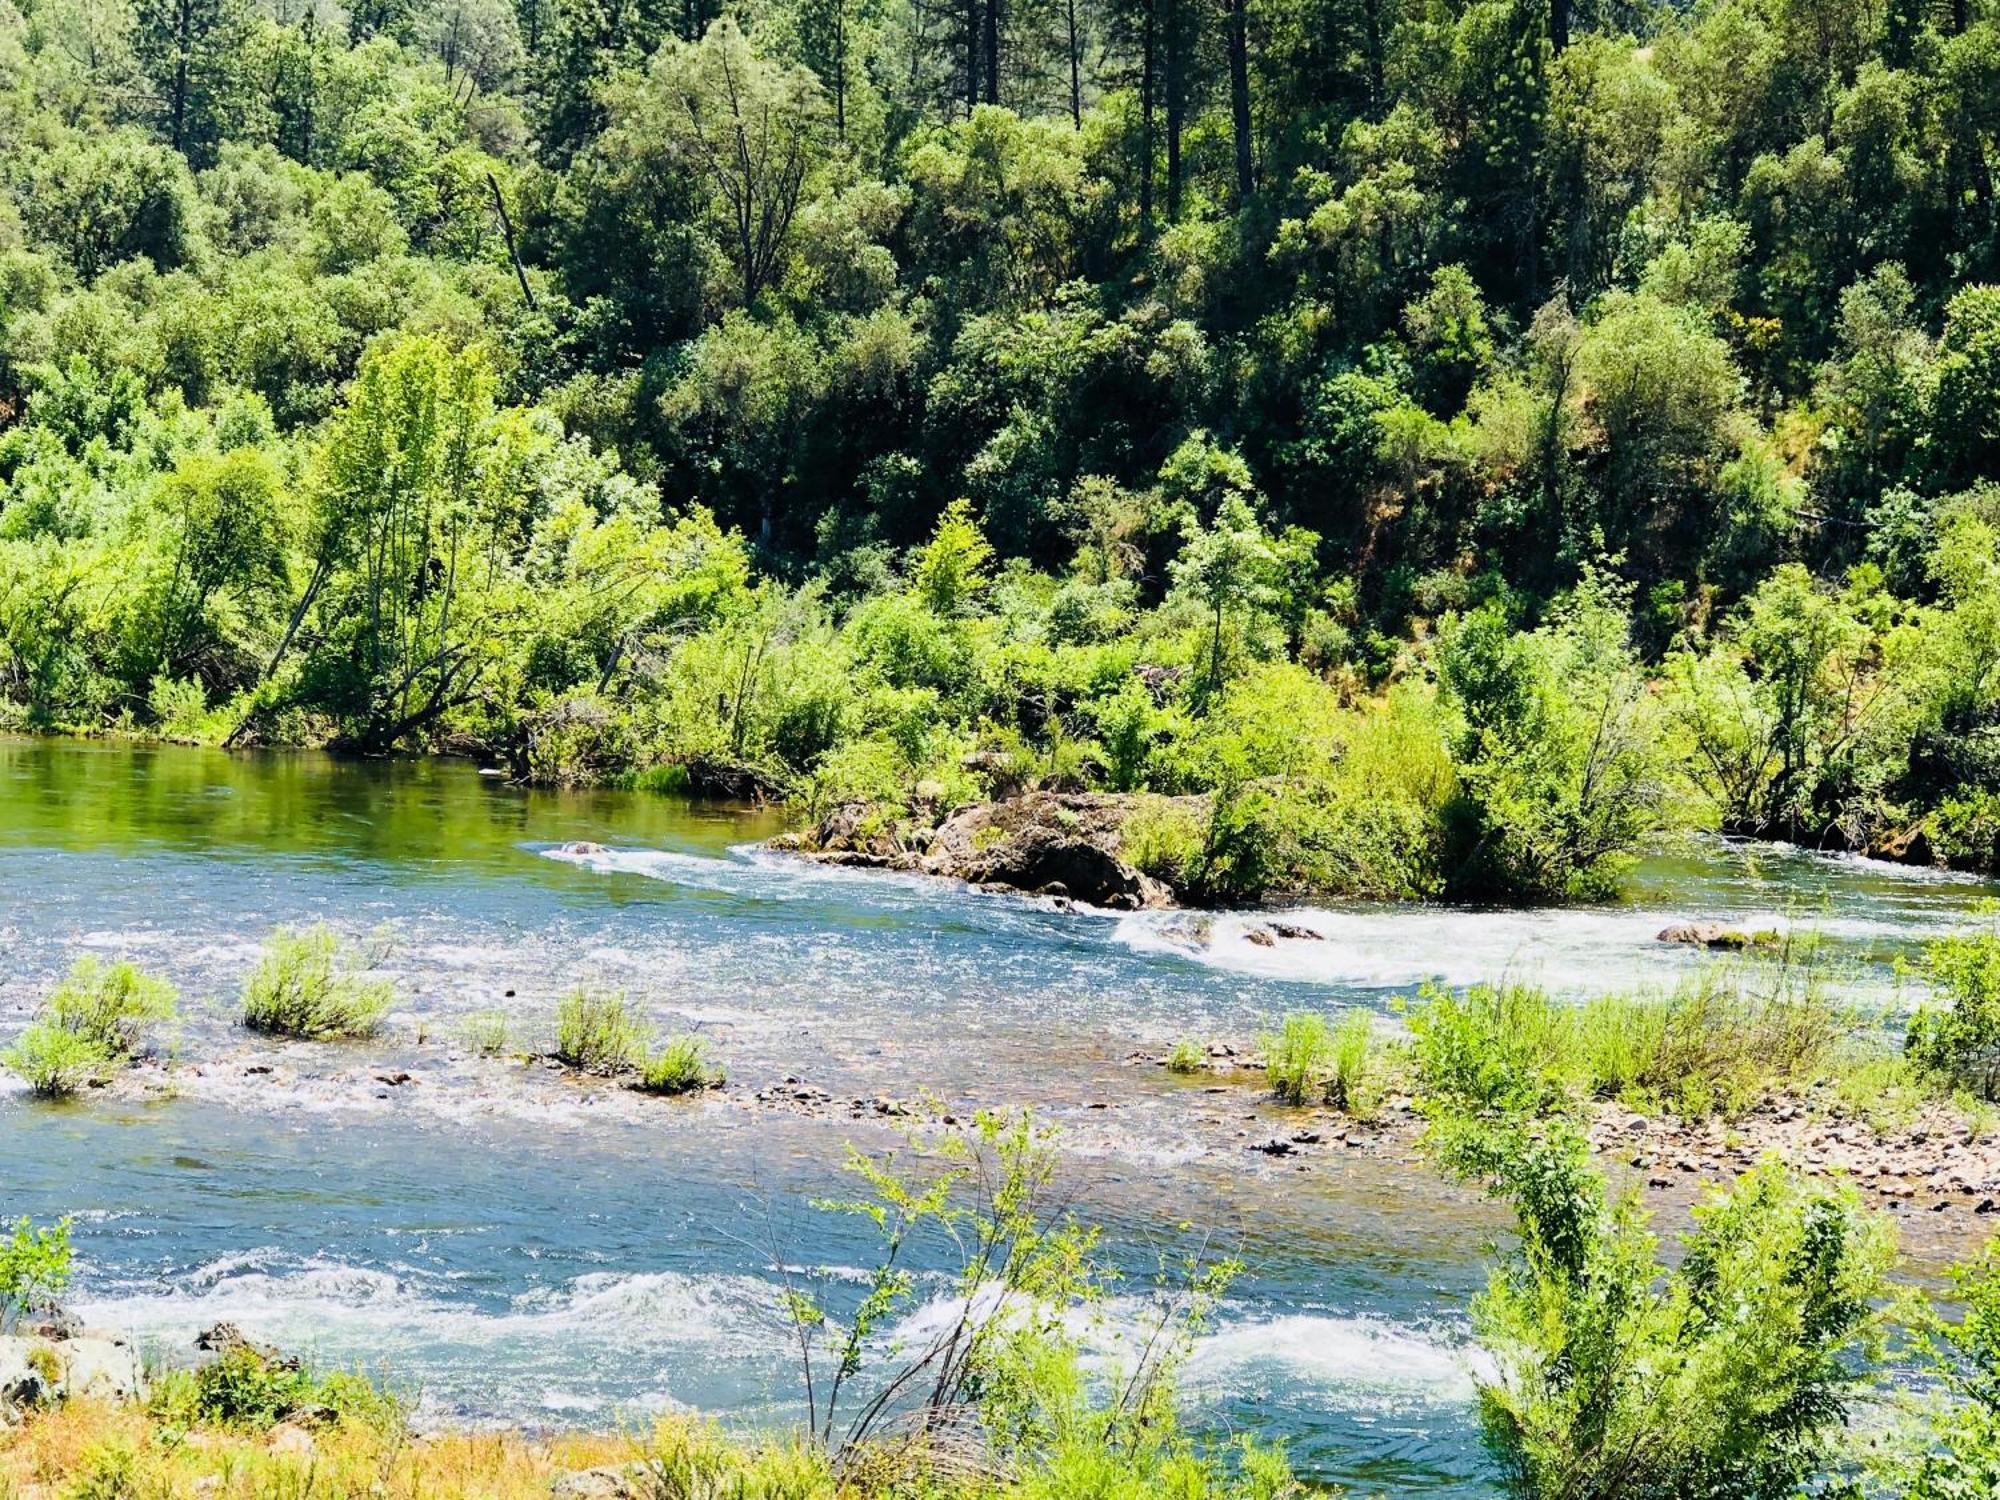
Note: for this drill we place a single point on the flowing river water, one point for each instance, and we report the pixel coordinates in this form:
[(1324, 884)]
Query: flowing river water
[(511, 1246)]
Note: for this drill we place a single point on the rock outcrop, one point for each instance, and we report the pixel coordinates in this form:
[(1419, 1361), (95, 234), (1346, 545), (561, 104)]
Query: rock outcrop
[(36, 1371), (1065, 845), (1715, 935)]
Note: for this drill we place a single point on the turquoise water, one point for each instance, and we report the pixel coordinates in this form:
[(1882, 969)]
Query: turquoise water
[(508, 1245)]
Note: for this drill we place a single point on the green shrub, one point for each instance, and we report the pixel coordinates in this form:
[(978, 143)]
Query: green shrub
[(90, 1023), (1709, 1045), (1295, 1058), (55, 1063), (598, 1032), (679, 1067), (1959, 1043), (1162, 838), (1729, 1374), (1351, 1084), (1187, 1056), (310, 985), (1962, 1457), (248, 1388), (34, 1268), (485, 1032)]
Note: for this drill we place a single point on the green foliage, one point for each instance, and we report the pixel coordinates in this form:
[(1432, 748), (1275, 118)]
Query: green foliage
[(245, 1387), (311, 985), (1715, 1043), (679, 1066), (1309, 1062), (1187, 1057), (1729, 1373), (34, 1268), (485, 1032), (1957, 1038), (55, 1062), (1295, 1057), (625, 396), (1030, 1285), (598, 1031), (1559, 751), (90, 1024), (1961, 1455)]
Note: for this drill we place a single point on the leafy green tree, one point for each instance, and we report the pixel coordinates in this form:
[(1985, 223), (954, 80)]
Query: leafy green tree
[(413, 583), (1227, 571), (1558, 745), (752, 131), (194, 53)]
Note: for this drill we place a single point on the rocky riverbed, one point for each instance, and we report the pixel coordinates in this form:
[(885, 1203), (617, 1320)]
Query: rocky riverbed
[(1932, 1163)]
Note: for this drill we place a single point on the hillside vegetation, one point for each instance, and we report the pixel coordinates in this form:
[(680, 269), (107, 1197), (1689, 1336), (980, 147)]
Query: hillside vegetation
[(1464, 439)]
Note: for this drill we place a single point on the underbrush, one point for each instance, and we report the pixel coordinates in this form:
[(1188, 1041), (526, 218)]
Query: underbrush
[(598, 1031), (681, 1066), (312, 986), (1714, 1044), (253, 1391), (90, 1024)]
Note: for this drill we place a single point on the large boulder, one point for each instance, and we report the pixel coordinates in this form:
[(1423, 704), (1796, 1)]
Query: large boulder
[(1058, 844), (101, 1367), (29, 1376)]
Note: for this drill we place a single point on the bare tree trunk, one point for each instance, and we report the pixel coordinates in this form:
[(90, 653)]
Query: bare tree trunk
[(1371, 20), (1176, 108), (973, 10), (992, 44), (1075, 66), (1239, 95), (840, 70), (1147, 89), (183, 39), (507, 229)]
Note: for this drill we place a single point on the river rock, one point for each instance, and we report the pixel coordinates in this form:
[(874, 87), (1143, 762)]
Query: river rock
[(101, 1367), (292, 1441), (594, 1484), (28, 1375), (1035, 842), (1705, 935)]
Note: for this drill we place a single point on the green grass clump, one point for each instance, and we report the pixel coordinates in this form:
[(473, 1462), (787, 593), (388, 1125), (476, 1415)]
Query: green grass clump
[(679, 1067), (1711, 1045), (597, 1031), (1351, 1083), (90, 1024), (1311, 1062), (1187, 1057), (310, 985), (1295, 1058), (485, 1032)]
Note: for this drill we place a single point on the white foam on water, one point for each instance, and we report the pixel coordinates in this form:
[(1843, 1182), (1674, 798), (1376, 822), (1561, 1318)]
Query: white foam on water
[(1383, 948), (1358, 1362), (752, 870), (353, 1311), (1335, 1361), (1573, 949)]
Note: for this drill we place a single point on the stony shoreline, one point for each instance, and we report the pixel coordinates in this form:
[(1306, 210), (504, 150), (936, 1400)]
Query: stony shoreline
[(1933, 1164)]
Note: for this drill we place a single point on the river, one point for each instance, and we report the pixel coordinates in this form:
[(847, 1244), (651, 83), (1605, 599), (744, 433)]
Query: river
[(507, 1245)]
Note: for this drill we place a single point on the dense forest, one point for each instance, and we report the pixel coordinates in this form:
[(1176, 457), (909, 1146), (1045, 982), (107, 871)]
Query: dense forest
[(1460, 440)]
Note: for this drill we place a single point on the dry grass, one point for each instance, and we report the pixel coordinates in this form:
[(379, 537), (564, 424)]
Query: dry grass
[(89, 1451)]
